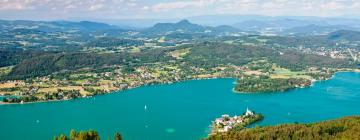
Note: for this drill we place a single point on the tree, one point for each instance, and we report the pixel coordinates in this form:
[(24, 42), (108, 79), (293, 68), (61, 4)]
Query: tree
[(93, 135), (73, 134), (82, 135), (117, 136), (62, 137)]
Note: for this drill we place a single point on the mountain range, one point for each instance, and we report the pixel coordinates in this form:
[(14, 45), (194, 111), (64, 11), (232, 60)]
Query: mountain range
[(279, 26)]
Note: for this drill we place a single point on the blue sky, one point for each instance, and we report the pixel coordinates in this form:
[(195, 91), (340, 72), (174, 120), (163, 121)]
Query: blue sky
[(129, 9)]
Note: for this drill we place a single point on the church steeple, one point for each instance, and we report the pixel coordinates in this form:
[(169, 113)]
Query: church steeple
[(248, 112)]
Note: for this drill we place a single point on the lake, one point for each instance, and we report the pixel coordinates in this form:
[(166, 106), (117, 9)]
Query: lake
[(181, 111)]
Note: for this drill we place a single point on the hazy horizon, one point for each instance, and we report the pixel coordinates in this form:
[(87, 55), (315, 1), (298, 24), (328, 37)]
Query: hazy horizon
[(171, 9)]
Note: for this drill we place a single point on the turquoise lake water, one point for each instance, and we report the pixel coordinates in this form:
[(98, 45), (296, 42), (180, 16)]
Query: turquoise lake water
[(181, 111)]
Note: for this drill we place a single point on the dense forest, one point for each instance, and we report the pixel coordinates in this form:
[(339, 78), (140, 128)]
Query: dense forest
[(266, 84), (114, 42), (214, 53), (345, 128), (48, 63), (14, 56), (84, 135)]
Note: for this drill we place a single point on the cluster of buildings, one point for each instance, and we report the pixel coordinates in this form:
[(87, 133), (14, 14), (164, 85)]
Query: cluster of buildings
[(226, 123)]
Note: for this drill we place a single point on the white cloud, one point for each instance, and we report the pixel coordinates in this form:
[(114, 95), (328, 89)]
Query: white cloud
[(96, 7), (333, 5), (289, 7), (181, 5), (12, 5), (146, 8)]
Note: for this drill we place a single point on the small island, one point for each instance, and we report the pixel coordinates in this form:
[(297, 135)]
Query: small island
[(227, 123)]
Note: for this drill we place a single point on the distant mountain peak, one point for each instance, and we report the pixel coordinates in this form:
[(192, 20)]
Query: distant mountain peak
[(185, 21), (181, 26)]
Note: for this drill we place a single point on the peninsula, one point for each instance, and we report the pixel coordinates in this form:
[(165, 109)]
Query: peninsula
[(227, 123), (342, 128)]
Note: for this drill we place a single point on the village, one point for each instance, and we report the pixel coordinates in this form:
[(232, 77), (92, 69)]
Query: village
[(87, 83), (227, 123)]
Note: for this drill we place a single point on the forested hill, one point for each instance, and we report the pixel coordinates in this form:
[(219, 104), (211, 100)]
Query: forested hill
[(214, 53), (345, 129), (203, 55), (186, 26), (54, 26), (50, 62), (345, 35)]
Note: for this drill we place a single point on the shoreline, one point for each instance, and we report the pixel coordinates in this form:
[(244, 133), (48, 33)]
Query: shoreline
[(49, 101), (115, 91), (168, 83)]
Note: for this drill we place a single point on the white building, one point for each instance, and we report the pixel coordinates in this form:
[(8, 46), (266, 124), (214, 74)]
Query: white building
[(249, 112)]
